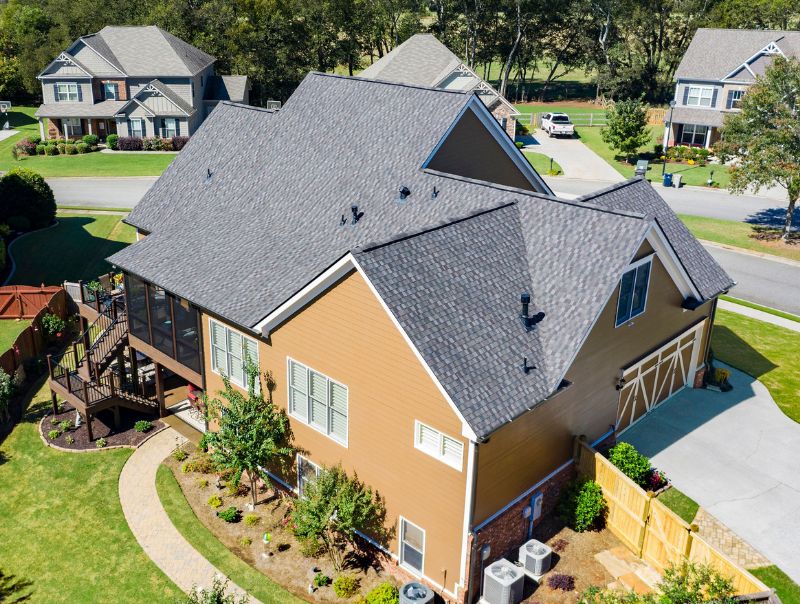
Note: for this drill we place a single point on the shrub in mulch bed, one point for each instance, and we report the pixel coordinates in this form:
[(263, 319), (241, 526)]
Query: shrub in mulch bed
[(102, 427), (561, 581)]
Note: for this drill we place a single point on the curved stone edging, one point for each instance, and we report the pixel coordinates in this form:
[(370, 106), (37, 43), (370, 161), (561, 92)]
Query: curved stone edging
[(52, 445), (10, 256), (151, 526)]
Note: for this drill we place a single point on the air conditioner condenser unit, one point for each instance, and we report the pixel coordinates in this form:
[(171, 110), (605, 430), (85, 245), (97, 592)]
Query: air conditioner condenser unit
[(503, 583)]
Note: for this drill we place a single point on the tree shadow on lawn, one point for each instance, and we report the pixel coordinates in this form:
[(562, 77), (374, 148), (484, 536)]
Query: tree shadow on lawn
[(17, 119), (772, 217), (729, 348), (13, 590)]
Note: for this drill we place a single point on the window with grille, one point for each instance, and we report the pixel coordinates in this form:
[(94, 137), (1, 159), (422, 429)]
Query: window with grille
[(67, 92), (438, 445), (318, 401), (412, 546)]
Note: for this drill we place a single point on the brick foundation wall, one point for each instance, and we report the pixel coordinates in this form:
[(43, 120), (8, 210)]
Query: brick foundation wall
[(53, 128), (700, 377)]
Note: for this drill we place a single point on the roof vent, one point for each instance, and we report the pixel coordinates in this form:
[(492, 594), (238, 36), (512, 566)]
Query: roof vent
[(435, 193), (404, 193), (209, 174), (527, 321), (356, 214)]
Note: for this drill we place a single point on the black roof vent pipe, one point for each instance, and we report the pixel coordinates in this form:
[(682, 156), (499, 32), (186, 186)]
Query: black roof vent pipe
[(404, 193), (524, 316)]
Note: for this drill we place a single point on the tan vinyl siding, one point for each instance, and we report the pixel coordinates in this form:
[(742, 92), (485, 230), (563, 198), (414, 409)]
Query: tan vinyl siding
[(471, 151), (92, 61), (347, 336), (528, 449)]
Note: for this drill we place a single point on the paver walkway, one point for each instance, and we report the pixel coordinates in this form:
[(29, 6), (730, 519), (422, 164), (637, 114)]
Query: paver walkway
[(728, 542), (150, 524)]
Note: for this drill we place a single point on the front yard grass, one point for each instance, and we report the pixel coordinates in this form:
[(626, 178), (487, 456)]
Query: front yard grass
[(737, 234), (9, 330), (236, 569), (788, 591), (765, 351), (74, 249), (62, 524), (680, 503), (541, 163)]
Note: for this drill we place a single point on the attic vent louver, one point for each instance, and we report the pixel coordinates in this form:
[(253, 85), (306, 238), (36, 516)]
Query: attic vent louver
[(404, 193), (527, 321)]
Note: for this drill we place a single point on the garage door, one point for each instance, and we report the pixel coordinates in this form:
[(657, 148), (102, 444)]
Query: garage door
[(653, 379)]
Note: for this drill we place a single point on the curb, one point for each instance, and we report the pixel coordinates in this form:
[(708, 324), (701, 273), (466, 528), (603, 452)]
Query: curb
[(95, 450), (739, 250)]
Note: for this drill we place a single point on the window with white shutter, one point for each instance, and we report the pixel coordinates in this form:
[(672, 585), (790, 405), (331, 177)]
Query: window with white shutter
[(318, 401), (229, 349), (438, 445)]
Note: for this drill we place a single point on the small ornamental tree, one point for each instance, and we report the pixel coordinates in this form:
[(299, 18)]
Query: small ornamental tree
[(627, 127), (333, 509), (763, 137), (253, 433), (24, 193)]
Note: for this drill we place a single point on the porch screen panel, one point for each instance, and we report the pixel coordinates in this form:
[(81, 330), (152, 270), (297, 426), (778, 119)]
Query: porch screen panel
[(160, 320), (137, 308), (187, 339)]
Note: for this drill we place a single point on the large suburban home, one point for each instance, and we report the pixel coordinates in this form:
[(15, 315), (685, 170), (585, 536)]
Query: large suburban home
[(715, 73), (132, 81), (423, 60), (437, 321)]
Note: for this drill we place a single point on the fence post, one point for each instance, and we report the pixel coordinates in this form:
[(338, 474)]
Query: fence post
[(50, 365), (646, 520), (75, 354), (591, 119), (86, 394), (80, 291)]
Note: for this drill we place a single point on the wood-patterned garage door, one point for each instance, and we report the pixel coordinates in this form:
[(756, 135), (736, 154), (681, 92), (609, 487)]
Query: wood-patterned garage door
[(658, 376)]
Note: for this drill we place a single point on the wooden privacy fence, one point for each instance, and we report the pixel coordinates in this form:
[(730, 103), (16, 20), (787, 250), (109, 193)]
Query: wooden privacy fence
[(24, 301), (651, 530), (31, 342)]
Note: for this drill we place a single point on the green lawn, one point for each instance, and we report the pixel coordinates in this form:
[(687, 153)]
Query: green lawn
[(90, 164), (9, 330), (236, 569), (683, 505), (541, 163), (692, 175), (737, 234), (772, 576), (74, 249), (766, 309), (62, 525), (765, 351)]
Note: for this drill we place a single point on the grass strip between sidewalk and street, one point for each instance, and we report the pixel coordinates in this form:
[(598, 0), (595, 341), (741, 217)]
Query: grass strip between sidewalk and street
[(772, 576), (237, 570), (772, 311)]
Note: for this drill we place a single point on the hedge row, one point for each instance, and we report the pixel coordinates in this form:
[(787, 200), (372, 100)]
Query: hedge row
[(150, 143)]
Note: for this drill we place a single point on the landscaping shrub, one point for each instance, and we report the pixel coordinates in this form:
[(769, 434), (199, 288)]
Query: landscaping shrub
[(53, 434), (166, 144), (35, 139), (179, 454), (51, 150), (230, 514), (152, 143), (69, 149), (582, 505), (61, 148), (236, 490), (309, 548), (689, 582), (129, 143), (91, 139), (111, 141), (179, 142), (519, 144), (143, 426), (521, 129), (40, 149), (321, 580), (385, 593), (215, 595), (203, 444), (186, 468), (52, 325), (214, 501), (70, 439), (597, 595), (82, 148), (561, 581), (245, 541), (100, 443), (65, 425), (346, 586), (202, 483), (25, 193), (251, 520), (23, 148), (19, 224), (202, 464), (630, 462)]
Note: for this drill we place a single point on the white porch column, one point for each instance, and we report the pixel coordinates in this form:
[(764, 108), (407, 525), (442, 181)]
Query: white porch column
[(665, 142), (89, 123), (708, 138), (41, 128)]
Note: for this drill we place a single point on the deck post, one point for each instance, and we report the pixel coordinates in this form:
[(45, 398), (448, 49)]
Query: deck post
[(162, 409), (54, 400), (50, 365), (80, 289), (75, 354), (123, 375), (134, 368), (89, 425), (85, 331)]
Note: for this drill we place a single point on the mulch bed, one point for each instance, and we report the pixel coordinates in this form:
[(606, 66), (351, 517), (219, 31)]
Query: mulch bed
[(102, 427)]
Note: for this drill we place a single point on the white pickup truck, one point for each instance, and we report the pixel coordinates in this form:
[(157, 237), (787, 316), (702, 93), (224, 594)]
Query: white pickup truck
[(557, 124)]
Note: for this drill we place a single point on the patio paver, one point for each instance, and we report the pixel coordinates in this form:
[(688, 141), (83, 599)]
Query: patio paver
[(150, 524)]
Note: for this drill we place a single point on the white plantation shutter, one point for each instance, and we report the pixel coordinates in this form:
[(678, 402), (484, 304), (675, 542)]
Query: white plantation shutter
[(228, 351), (298, 399), (219, 357), (338, 404), (318, 401)]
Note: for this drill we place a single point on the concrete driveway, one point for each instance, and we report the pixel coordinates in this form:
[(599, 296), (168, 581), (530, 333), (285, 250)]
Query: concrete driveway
[(576, 159), (738, 456)]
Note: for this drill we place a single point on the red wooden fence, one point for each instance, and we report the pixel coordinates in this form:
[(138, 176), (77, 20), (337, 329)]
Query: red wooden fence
[(24, 301)]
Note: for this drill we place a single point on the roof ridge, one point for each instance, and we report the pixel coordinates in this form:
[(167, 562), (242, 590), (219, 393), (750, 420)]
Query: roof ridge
[(429, 228), (612, 187), (388, 83), (246, 106)]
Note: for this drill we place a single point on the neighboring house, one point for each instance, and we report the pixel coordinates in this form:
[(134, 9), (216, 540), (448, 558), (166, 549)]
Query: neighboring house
[(380, 279), (424, 61), (132, 81), (715, 73)]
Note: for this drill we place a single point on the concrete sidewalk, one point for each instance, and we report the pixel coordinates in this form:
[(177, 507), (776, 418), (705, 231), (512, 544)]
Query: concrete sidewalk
[(754, 313)]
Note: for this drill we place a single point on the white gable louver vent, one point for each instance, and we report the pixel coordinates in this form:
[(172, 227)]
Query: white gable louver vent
[(503, 583), (535, 557)]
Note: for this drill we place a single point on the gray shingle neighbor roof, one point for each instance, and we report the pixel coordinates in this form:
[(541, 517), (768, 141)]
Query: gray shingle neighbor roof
[(147, 51), (268, 221), (714, 53), (226, 88)]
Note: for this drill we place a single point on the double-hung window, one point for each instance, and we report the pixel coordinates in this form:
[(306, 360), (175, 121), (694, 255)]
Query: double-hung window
[(633, 291), (137, 127), (229, 349), (694, 135), (318, 401), (170, 127), (412, 546), (438, 445), (111, 91), (72, 127), (700, 96), (67, 92), (307, 473), (736, 99)]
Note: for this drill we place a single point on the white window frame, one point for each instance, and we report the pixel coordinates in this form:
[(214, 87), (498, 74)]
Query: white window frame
[(113, 86), (700, 94), (167, 129), (140, 130), (305, 460), (736, 98), (241, 380), (634, 266), (68, 93), (693, 129), (71, 126), (438, 453), (416, 572), (307, 419)]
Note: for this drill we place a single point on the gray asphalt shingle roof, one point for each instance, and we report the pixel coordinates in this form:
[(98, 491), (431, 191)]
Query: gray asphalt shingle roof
[(714, 53), (267, 222), (103, 109), (226, 88), (695, 115)]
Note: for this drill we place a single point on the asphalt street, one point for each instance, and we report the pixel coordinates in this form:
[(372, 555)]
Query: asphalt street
[(100, 192)]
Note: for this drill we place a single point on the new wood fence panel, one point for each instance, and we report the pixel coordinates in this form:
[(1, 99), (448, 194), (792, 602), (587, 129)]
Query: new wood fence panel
[(24, 302), (704, 553), (667, 538), (31, 341)]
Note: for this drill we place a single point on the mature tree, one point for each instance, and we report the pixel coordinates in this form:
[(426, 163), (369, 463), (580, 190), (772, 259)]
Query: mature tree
[(756, 14), (333, 509), (24, 193), (627, 127), (763, 137), (252, 433)]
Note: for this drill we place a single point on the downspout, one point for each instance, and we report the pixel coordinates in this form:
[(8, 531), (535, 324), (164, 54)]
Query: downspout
[(470, 513)]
